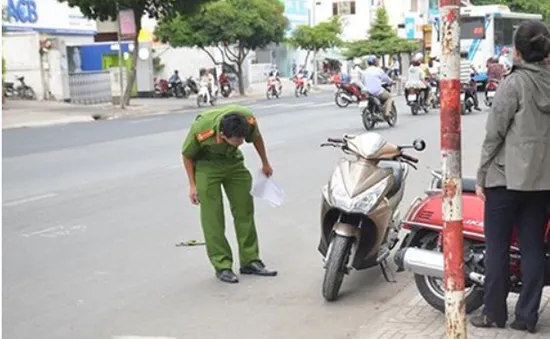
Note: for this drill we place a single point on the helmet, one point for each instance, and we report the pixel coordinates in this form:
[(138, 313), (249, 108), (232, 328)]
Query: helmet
[(504, 50), (418, 57), (371, 60), (356, 62)]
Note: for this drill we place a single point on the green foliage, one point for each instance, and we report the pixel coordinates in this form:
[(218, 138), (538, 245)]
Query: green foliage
[(525, 6), (382, 40), (248, 24), (322, 36), (158, 66), (234, 27)]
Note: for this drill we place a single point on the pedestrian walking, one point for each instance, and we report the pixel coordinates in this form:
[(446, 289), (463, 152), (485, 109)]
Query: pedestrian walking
[(514, 180), (212, 159)]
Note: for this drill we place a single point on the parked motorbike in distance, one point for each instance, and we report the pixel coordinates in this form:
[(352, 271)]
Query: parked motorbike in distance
[(490, 90), (359, 215), (21, 91), (302, 86), (421, 250), (372, 112), (192, 85), (178, 90), (204, 97), (347, 94), (416, 100), (162, 88), (273, 88)]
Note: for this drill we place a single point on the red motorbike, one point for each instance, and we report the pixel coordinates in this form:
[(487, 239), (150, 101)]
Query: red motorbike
[(421, 250), (162, 88), (347, 94), (302, 86), (273, 88), (490, 90)]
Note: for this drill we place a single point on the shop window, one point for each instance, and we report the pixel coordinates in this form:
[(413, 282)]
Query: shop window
[(414, 5), (343, 8)]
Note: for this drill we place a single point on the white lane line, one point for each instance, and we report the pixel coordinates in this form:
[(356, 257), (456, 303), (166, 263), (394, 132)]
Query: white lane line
[(56, 231), (300, 105), (142, 121), (137, 337), (326, 104), (30, 199)]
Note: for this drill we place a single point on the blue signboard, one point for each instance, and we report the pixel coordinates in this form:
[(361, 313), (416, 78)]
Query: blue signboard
[(22, 11), (410, 27)]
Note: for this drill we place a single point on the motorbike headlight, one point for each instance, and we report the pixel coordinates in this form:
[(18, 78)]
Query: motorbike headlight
[(362, 203)]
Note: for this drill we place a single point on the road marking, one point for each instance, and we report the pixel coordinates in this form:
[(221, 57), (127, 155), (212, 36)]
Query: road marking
[(136, 337), (326, 104), (142, 121), (30, 199), (299, 105), (55, 231)]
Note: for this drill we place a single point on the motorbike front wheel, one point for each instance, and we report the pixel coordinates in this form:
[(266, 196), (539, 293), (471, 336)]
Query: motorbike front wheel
[(297, 91), (199, 100), (338, 255), (226, 93), (393, 120)]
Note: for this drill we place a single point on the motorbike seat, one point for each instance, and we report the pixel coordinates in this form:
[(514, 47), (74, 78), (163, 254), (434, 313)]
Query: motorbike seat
[(398, 172), (468, 184)]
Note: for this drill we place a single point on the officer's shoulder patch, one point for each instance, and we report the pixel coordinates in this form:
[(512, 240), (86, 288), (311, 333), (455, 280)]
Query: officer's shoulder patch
[(204, 135), (251, 120)]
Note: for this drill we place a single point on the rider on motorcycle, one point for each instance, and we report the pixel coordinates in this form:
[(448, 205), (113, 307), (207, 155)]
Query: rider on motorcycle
[(174, 80), (275, 74), (207, 79), (466, 71), (374, 78), (356, 74), (417, 78)]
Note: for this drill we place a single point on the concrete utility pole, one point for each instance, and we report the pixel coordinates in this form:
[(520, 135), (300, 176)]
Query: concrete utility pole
[(453, 242), (120, 58)]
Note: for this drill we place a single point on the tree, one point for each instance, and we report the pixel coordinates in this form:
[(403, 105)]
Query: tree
[(322, 36), (108, 10), (382, 40), (233, 27), (525, 6)]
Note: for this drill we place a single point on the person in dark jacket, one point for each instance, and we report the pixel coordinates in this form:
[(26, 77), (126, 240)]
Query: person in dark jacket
[(514, 180)]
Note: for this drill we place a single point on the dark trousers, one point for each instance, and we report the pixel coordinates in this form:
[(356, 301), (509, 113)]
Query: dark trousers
[(526, 212), (472, 92)]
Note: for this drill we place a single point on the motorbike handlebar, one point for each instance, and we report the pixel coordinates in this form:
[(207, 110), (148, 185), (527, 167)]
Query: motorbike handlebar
[(409, 158), (336, 140)]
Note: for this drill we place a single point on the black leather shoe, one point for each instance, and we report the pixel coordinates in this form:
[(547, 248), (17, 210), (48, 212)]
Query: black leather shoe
[(520, 325), (227, 276), (482, 321), (257, 268), (477, 108)]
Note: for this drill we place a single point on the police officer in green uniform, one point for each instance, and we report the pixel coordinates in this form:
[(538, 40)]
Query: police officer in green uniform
[(212, 159)]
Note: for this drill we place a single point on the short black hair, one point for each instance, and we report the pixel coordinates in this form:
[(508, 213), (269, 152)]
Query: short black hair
[(532, 41), (235, 125), (464, 55)]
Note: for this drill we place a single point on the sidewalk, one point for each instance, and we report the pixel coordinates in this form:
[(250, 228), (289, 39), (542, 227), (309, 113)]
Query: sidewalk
[(408, 316), (22, 113)]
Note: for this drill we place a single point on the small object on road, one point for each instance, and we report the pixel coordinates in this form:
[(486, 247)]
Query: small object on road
[(190, 243)]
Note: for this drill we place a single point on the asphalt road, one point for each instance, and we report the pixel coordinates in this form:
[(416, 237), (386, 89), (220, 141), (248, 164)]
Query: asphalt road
[(92, 213)]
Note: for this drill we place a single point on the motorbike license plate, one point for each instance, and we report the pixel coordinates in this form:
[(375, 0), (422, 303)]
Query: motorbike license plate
[(411, 97), (462, 96), (363, 104), (491, 94)]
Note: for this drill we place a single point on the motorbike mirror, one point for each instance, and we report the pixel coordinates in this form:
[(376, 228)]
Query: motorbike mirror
[(419, 144)]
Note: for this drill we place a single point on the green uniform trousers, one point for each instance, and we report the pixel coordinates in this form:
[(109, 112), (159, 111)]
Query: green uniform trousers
[(236, 180)]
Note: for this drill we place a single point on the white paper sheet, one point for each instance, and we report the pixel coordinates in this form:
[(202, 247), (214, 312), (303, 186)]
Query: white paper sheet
[(267, 189)]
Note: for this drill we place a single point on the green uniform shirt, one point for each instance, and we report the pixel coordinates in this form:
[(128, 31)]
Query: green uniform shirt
[(203, 142)]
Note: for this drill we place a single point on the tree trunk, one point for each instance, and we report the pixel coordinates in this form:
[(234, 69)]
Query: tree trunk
[(305, 61), (133, 71), (240, 77)]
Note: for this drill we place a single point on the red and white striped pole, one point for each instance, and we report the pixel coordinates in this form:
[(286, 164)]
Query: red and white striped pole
[(453, 248)]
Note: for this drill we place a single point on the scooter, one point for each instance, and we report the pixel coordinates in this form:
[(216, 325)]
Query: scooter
[(421, 250), (302, 86), (415, 100), (273, 88), (347, 94), (359, 214), (466, 101), (204, 96)]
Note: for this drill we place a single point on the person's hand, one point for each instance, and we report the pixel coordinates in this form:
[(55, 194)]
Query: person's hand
[(193, 195), (267, 170), (480, 192)]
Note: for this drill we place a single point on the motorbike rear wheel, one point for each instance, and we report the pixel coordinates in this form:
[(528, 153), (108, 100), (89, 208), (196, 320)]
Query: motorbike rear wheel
[(297, 91), (393, 120), (199, 100), (340, 100), (368, 119), (338, 255), (433, 292)]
